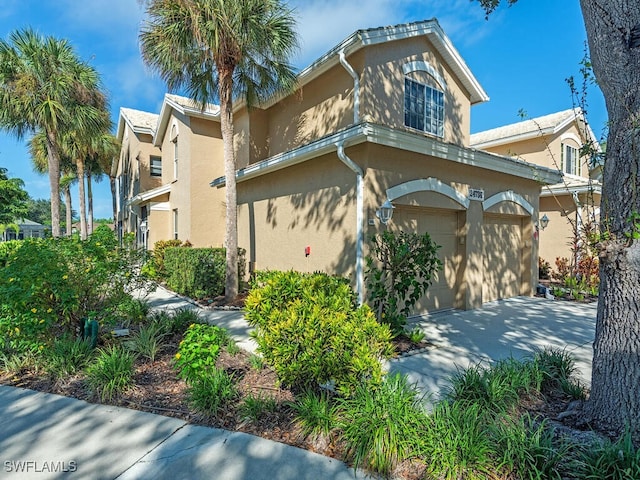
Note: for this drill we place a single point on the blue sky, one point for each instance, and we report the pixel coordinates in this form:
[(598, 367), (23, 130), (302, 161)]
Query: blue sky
[(521, 55)]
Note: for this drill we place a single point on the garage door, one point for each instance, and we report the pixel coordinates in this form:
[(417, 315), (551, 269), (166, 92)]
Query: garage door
[(442, 226), (502, 238)]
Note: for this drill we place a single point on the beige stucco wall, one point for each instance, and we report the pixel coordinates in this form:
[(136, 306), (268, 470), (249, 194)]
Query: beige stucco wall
[(383, 87), (311, 204), (314, 204)]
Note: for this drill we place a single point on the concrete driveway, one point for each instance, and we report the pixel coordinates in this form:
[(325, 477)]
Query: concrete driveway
[(513, 327)]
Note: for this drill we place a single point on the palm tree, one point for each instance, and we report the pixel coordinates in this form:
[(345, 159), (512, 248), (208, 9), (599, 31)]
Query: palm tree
[(38, 150), (107, 158), (43, 85), (221, 50)]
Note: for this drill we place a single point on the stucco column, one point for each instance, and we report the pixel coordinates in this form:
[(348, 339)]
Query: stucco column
[(474, 271)]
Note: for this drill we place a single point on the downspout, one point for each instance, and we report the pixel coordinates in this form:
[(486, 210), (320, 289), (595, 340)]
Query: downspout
[(356, 86), (359, 219)]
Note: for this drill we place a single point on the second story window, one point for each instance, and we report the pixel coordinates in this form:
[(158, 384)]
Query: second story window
[(570, 160), (423, 107), (155, 167)]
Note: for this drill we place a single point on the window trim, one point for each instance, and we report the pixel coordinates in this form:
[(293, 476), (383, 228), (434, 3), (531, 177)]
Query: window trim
[(575, 158), (151, 169)]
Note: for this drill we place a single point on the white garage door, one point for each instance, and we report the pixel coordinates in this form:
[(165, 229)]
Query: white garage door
[(442, 226), (503, 266)]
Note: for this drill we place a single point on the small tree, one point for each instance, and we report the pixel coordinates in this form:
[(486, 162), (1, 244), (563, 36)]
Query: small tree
[(13, 198), (399, 273)]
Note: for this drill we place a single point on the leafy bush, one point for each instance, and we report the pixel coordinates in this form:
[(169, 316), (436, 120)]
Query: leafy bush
[(199, 350), (68, 356), (496, 388), (112, 372), (525, 449), (195, 272), (399, 272), (614, 461), (156, 267), (315, 413), (148, 341), (131, 311), (544, 269), (556, 366), (211, 390), (455, 442), (58, 282), (310, 332), (381, 424), (253, 407), (7, 249)]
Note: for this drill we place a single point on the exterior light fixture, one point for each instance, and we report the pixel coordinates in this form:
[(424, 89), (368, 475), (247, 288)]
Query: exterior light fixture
[(544, 221), (144, 228), (385, 212)]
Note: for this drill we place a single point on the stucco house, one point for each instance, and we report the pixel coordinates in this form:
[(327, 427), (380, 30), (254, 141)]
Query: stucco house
[(556, 140), (383, 116), (26, 229)]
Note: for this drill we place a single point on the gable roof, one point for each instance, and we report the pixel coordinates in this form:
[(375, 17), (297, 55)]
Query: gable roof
[(184, 106), (373, 36), (532, 128), (137, 120)]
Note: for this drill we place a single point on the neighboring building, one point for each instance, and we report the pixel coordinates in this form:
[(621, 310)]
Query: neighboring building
[(385, 115), (555, 141), (26, 229), (139, 170)]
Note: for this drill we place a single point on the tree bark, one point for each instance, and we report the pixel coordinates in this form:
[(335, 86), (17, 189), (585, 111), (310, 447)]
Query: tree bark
[(114, 205), (67, 200), (82, 199), (613, 31), (53, 163), (231, 223), (90, 202)]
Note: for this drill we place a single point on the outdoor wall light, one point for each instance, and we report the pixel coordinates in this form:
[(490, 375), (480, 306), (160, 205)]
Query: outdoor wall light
[(144, 227), (385, 212), (544, 221)]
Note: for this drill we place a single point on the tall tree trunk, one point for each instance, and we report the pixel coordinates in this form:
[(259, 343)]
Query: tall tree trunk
[(67, 200), (90, 202), (114, 205), (613, 30), (53, 162), (82, 199), (231, 224)]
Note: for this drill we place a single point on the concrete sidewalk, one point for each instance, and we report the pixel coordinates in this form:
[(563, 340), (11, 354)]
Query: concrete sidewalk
[(46, 436)]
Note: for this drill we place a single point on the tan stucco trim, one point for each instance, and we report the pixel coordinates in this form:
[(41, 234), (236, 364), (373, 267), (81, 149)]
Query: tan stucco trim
[(407, 141), (508, 196), (427, 185), (168, 105)]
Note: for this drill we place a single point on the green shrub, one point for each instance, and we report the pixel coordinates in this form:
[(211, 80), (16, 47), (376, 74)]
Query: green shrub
[(195, 272), (180, 319), (253, 407), (157, 268), (498, 387), (131, 311), (211, 391), (557, 366), (199, 350), (148, 341), (381, 425), (310, 332), (315, 413), (7, 249), (525, 449), (399, 272), (112, 372), (68, 356), (455, 442), (614, 461)]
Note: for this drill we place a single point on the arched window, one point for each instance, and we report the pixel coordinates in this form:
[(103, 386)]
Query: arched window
[(424, 98)]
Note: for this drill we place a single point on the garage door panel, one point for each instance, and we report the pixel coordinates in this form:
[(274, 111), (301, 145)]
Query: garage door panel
[(442, 227), (502, 259)]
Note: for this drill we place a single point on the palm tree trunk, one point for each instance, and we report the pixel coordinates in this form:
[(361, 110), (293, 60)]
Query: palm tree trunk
[(53, 160), (82, 199), (67, 200), (231, 224), (114, 205), (90, 201)]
